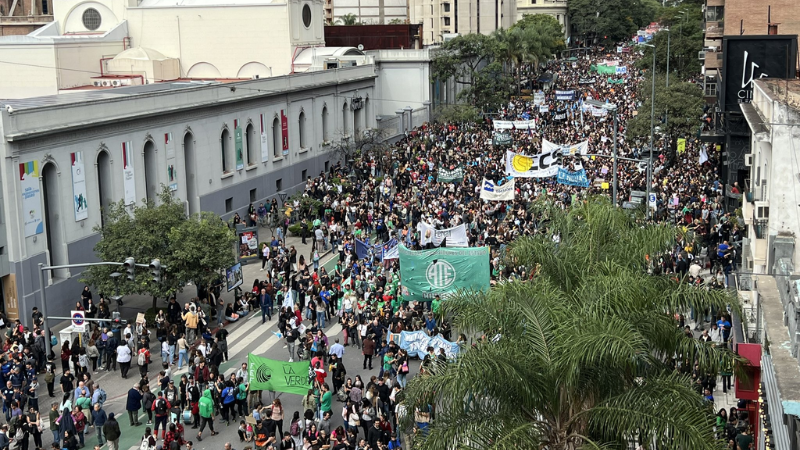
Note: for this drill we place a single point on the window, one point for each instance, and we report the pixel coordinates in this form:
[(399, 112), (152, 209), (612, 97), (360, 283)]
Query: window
[(325, 125), (327, 166), (533, 2), (304, 175), (279, 184), (277, 146), (345, 117), (253, 195), (306, 15), (301, 130), (711, 87), (715, 13), (224, 141), (229, 204), (91, 19), (251, 144), (446, 7), (447, 21)]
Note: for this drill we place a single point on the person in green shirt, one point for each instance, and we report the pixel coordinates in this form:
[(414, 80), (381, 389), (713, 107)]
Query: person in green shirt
[(436, 305), (388, 360), (325, 400)]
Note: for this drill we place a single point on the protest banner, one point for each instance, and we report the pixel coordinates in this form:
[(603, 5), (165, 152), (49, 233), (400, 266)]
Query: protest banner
[(441, 271)]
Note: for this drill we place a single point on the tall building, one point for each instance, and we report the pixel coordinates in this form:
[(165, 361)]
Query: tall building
[(20, 17), (441, 19), (742, 18), (370, 12), (556, 8)]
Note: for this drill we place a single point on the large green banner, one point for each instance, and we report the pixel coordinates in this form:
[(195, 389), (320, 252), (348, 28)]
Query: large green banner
[(239, 144), (271, 375), (450, 175), (427, 273)]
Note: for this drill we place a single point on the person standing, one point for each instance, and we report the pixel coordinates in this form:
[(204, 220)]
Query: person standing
[(265, 301), (124, 358), (54, 423), (133, 405), (206, 409), (112, 432), (368, 350), (99, 418)]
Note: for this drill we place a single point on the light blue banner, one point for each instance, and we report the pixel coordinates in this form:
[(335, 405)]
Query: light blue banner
[(416, 343), (577, 178)]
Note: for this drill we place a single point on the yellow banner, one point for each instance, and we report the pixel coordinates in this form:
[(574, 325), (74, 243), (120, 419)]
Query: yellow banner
[(681, 146)]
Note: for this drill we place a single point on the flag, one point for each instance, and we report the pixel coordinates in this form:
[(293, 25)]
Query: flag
[(428, 273), (681, 146), (278, 376), (362, 249), (390, 250), (703, 156)]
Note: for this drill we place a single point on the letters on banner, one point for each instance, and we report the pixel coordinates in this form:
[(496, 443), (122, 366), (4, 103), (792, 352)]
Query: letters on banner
[(539, 166), (512, 124), (565, 95), (580, 148), (491, 191), (416, 343), (456, 236)]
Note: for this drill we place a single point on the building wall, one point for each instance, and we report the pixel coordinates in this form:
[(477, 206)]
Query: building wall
[(375, 12), (403, 79), (30, 73), (752, 16), (463, 17), (74, 57), (196, 122)]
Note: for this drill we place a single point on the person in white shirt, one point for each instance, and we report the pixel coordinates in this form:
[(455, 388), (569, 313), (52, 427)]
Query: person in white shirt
[(124, 358)]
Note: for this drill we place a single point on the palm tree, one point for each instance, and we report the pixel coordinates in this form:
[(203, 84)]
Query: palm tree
[(581, 355), (347, 19)]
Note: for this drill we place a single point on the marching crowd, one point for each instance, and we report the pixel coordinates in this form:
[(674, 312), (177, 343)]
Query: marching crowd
[(345, 410)]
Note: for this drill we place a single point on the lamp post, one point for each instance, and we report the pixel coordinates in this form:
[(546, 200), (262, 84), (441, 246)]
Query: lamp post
[(613, 109), (652, 126), (669, 36)]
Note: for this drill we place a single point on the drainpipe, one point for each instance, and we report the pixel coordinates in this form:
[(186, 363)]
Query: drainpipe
[(102, 60)]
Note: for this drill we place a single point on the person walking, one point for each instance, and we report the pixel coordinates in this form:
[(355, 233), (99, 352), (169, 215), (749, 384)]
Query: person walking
[(161, 408), (112, 432), (133, 405), (99, 418), (368, 350), (265, 301), (206, 407), (124, 358)]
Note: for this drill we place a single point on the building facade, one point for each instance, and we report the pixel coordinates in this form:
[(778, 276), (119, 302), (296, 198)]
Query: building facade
[(24, 16), (555, 8), (443, 19), (128, 142), (371, 12)]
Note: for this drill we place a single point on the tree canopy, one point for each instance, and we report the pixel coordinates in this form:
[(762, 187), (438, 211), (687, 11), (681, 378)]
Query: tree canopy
[(580, 355), (611, 20), (191, 248)]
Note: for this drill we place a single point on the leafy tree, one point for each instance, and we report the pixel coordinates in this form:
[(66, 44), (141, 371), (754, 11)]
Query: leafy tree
[(347, 19), (678, 109), (369, 145), (397, 22), (461, 59), (581, 355), (685, 42), (611, 20), (190, 249), (456, 114)]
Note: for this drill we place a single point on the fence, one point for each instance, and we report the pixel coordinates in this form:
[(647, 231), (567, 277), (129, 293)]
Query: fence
[(419, 116), (391, 124)]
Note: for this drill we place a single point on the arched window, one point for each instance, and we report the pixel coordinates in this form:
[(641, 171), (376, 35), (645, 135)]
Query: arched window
[(325, 125), (301, 130), (251, 144), (225, 148), (276, 138), (345, 119)]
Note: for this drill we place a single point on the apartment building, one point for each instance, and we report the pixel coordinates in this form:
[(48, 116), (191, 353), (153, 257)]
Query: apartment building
[(442, 19)]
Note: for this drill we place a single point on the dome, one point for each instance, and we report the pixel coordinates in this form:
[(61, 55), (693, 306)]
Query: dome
[(141, 54)]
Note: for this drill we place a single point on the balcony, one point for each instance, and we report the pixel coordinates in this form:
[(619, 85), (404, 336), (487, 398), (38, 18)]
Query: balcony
[(715, 2), (714, 29), (713, 60)]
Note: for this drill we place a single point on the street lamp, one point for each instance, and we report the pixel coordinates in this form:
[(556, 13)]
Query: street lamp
[(282, 196), (652, 126), (613, 109), (669, 36)]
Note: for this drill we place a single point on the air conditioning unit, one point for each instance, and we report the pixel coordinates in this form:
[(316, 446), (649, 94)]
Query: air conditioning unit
[(97, 83), (748, 160), (701, 55), (115, 83), (762, 210), (105, 83)]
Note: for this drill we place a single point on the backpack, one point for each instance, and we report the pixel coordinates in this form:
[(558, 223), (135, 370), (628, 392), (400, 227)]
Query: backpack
[(294, 430), (145, 445), (161, 407), (142, 359)]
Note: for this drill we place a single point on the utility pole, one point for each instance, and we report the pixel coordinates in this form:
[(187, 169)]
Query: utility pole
[(652, 127)]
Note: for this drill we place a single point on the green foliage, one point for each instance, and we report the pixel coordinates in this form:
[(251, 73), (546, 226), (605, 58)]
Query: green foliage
[(461, 59), (456, 113), (295, 229), (683, 103), (491, 87), (190, 249), (397, 22), (584, 357), (543, 35), (685, 41), (348, 19), (611, 20)]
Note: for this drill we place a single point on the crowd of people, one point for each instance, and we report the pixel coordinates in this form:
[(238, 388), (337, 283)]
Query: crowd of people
[(387, 201)]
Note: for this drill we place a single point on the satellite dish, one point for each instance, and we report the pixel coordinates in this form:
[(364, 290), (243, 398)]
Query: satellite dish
[(361, 47)]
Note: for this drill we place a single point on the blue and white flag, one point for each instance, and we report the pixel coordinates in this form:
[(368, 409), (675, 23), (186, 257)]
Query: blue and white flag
[(391, 249), (362, 249), (577, 178), (492, 191)]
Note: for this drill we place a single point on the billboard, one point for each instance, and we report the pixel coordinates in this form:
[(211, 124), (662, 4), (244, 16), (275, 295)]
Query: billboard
[(749, 58)]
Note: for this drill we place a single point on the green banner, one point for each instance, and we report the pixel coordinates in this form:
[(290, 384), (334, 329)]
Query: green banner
[(239, 148), (280, 376), (606, 70), (502, 139), (427, 273), (613, 81), (449, 176)]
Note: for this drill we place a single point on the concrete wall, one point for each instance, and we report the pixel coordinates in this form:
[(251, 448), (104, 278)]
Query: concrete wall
[(202, 114), (403, 79), (74, 58), (31, 73), (755, 16)]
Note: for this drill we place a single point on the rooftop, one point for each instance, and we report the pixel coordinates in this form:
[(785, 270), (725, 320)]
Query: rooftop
[(784, 91)]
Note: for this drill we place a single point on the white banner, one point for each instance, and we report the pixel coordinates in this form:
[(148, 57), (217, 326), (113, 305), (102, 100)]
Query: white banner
[(491, 191), (456, 236), (539, 166), (264, 142), (512, 124), (580, 148), (128, 179), (538, 98), (80, 203), (31, 198)]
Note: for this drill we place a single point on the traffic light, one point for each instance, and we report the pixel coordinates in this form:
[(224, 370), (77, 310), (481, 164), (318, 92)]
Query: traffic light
[(130, 267), (155, 270)]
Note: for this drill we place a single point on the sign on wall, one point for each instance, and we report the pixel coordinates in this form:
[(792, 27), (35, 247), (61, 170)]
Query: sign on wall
[(238, 144), (31, 198), (264, 141), (749, 58), (79, 201), (285, 133), (172, 175), (128, 179)]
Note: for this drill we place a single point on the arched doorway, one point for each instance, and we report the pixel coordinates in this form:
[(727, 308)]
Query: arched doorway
[(191, 178), (150, 171), (105, 186), (56, 248), (357, 126)]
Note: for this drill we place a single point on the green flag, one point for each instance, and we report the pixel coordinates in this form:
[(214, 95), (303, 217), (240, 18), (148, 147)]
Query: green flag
[(426, 273), (271, 375)]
